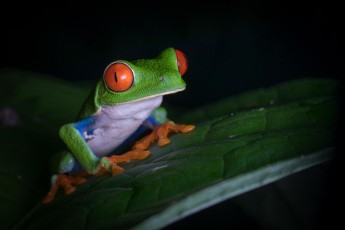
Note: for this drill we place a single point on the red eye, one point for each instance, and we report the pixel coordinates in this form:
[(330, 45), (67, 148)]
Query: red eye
[(182, 62), (118, 77)]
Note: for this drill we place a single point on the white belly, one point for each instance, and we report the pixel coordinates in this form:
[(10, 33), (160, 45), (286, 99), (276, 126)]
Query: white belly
[(114, 124)]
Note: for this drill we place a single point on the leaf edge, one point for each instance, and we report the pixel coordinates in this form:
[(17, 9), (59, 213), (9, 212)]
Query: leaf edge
[(265, 175)]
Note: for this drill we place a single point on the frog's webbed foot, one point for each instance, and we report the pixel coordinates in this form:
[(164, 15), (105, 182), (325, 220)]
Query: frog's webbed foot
[(161, 133), (66, 182), (109, 164)]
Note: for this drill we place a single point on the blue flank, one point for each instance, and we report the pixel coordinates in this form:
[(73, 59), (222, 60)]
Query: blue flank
[(151, 122), (83, 125)]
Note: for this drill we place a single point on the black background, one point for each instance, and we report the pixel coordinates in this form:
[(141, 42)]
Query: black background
[(231, 47)]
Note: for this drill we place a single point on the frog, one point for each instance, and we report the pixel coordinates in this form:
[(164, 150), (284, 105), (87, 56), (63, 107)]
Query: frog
[(124, 107)]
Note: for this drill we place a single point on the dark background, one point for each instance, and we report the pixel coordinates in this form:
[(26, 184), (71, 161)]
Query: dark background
[(231, 48)]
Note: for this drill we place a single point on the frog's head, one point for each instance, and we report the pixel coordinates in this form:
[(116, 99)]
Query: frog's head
[(125, 82)]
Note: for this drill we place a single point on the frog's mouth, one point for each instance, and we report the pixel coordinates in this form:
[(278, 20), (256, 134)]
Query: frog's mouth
[(152, 96)]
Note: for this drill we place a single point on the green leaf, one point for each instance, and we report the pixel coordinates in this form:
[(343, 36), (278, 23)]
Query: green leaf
[(240, 143), (279, 94)]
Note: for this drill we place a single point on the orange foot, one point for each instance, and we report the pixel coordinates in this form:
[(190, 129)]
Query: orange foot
[(161, 133), (109, 164), (66, 182)]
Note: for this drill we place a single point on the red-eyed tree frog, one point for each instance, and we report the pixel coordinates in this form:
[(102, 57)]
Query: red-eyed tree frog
[(124, 104)]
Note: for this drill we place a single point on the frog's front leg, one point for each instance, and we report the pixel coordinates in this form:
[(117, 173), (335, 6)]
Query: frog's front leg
[(161, 126), (110, 164), (160, 133)]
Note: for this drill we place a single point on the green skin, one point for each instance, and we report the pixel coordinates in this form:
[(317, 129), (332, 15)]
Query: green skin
[(153, 77)]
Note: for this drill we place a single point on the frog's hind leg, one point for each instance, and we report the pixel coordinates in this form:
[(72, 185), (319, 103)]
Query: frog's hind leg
[(66, 182), (64, 162)]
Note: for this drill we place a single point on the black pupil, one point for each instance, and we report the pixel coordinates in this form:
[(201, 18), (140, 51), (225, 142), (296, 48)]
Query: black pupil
[(115, 76)]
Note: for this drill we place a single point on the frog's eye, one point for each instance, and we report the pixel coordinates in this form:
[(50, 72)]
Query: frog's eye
[(182, 62), (118, 77)]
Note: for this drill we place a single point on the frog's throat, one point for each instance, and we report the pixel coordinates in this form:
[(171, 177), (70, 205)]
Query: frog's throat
[(152, 96)]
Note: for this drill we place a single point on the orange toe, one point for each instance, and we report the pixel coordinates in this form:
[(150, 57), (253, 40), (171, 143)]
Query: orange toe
[(110, 164), (161, 133), (65, 182), (187, 128)]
